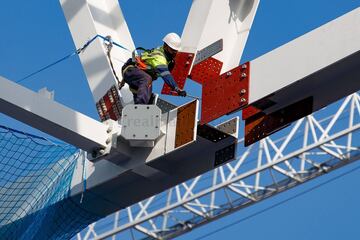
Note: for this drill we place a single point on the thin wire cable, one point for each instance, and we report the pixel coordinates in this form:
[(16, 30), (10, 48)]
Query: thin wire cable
[(76, 52), (46, 67), (278, 204)]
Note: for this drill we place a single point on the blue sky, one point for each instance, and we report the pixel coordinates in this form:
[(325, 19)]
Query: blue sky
[(35, 33)]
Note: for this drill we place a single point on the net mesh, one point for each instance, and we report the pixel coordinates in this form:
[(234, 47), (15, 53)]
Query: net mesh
[(35, 179)]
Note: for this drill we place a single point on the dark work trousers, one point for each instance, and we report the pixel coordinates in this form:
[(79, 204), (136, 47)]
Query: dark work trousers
[(141, 83)]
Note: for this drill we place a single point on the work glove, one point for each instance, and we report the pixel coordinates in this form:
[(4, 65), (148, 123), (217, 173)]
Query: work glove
[(181, 93)]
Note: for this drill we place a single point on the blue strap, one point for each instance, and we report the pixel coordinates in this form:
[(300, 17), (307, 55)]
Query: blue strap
[(77, 52), (115, 43)]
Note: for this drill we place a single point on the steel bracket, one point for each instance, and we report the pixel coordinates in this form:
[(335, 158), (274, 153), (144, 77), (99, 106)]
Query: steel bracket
[(111, 142)]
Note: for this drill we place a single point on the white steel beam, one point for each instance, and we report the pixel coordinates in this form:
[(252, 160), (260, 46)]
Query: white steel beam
[(212, 20), (88, 18), (322, 64), (51, 117)]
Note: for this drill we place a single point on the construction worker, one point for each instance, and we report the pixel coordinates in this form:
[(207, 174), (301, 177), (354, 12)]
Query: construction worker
[(139, 71)]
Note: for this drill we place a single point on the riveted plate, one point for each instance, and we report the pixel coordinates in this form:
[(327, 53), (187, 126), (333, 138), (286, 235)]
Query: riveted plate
[(206, 70), (230, 127), (209, 51), (228, 93), (180, 72)]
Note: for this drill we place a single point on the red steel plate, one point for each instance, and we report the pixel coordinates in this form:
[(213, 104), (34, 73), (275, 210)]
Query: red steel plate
[(180, 72), (226, 94), (206, 70)]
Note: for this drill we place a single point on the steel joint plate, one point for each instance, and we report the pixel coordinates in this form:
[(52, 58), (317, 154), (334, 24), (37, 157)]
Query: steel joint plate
[(230, 127), (141, 122), (206, 70), (209, 51), (226, 94), (183, 63)]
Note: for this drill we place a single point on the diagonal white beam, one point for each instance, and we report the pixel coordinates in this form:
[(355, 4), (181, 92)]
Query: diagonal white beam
[(325, 132), (314, 122), (88, 18), (241, 193), (146, 231), (276, 149), (204, 26)]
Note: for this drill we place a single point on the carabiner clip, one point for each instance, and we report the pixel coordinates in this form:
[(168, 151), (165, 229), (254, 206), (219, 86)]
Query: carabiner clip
[(108, 42)]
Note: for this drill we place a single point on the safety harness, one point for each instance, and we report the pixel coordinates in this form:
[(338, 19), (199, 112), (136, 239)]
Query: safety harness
[(137, 62), (141, 64), (137, 59)]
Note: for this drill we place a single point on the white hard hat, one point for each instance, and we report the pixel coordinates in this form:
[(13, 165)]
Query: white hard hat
[(172, 40)]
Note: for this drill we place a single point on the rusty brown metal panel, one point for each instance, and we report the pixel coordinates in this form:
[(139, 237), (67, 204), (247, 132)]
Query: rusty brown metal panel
[(185, 125)]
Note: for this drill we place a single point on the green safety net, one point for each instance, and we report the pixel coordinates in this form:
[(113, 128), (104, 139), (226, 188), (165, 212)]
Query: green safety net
[(35, 179)]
